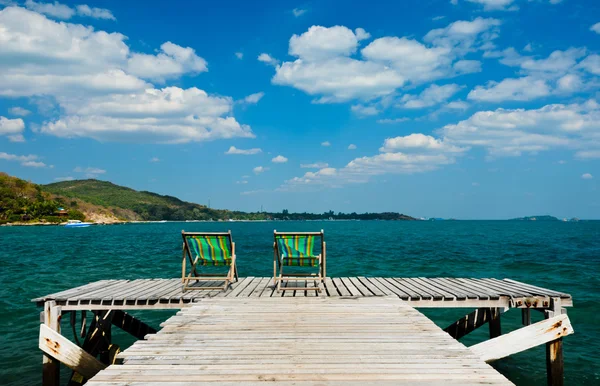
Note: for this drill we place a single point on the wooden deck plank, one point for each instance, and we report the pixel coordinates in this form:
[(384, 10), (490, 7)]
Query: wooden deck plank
[(309, 341), (351, 287), (504, 289), (425, 292), (414, 292), (538, 291)]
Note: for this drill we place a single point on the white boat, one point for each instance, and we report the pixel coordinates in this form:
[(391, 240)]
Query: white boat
[(77, 224)]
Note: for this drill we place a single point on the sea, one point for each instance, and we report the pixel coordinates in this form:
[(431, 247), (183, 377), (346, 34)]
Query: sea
[(563, 256)]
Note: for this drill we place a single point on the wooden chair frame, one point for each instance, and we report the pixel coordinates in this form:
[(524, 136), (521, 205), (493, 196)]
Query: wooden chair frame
[(279, 277), (232, 274)]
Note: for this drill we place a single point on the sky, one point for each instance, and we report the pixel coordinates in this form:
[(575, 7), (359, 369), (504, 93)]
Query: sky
[(472, 109)]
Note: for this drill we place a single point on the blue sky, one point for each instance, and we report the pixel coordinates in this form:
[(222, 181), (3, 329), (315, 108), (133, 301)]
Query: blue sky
[(462, 108)]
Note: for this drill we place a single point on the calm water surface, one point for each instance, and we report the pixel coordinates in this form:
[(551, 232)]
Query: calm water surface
[(35, 261)]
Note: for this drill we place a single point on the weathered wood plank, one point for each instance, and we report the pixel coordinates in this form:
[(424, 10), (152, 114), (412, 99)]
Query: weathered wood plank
[(61, 349), (525, 338)]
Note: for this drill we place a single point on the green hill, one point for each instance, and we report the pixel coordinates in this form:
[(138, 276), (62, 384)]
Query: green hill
[(23, 201), (102, 201), (142, 205)]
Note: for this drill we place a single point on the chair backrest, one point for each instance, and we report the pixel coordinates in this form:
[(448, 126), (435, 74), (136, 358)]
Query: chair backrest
[(209, 247), (300, 244)]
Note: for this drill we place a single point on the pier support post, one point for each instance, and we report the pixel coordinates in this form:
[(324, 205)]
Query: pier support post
[(526, 316), (494, 322), (554, 350), (50, 366)]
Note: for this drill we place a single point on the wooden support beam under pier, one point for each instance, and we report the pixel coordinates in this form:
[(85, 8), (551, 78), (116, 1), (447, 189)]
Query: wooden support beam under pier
[(51, 366), (554, 349), (524, 338)]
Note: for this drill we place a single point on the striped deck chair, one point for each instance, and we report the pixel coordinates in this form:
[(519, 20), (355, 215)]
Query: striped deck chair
[(295, 249), (208, 249)]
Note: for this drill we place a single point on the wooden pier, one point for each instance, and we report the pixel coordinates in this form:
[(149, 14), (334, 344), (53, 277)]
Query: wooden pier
[(357, 330)]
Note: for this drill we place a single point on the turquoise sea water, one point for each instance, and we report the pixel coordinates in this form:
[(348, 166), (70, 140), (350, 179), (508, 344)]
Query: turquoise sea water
[(563, 256)]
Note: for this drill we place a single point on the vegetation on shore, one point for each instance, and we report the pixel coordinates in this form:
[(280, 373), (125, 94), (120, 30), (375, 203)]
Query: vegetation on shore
[(22, 201), (103, 201)]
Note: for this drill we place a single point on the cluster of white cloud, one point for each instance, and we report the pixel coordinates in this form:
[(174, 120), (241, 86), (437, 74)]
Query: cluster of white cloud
[(13, 128), (30, 160), (62, 11), (327, 68), (89, 172), (561, 73), (19, 111), (500, 132), (513, 132), (235, 150), (101, 87), (499, 5), (279, 159)]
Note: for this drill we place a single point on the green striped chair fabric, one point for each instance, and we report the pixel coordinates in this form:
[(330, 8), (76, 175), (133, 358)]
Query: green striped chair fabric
[(297, 250), (210, 249)]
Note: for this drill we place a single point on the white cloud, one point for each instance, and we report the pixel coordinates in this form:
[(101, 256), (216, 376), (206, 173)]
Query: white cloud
[(326, 144), (298, 12), (251, 192), (89, 172), (320, 43), (595, 28), (30, 160), (19, 111), (234, 150), (56, 9), (254, 98), (325, 66), (13, 128), (591, 64), (266, 58), (501, 132), (59, 58), (168, 115), (279, 159), (62, 11), (465, 36), (431, 96), (457, 105), (496, 5), (394, 120), (60, 179), (239, 55), (241, 182), (569, 83), (171, 62), (154, 159), (588, 154), (364, 111), (557, 61), (317, 165), (96, 13), (558, 74), (519, 89), (587, 176), (360, 170), (93, 79), (504, 132), (419, 143), (259, 169), (352, 147)]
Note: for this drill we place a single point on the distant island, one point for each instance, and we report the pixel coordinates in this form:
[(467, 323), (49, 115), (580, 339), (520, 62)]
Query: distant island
[(23, 202), (536, 218)]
